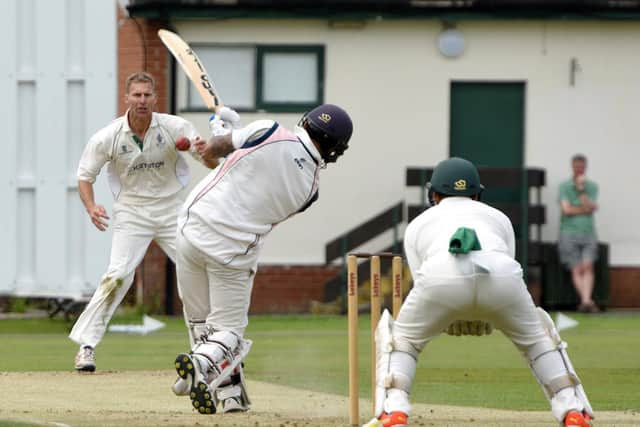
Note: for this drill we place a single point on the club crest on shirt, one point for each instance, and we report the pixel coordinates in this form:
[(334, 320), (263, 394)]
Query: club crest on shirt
[(159, 140), (460, 185), (124, 149)]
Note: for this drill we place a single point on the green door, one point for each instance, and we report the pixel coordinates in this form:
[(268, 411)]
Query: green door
[(487, 123), (487, 128)]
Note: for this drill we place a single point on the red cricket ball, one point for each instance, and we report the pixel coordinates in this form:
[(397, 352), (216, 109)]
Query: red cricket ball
[(183, 143)]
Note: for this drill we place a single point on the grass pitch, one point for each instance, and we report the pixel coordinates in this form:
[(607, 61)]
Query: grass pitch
[(310, 352)]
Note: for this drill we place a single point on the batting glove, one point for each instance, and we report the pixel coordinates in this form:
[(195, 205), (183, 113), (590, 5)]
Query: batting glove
[(218, 126), (230, 116)]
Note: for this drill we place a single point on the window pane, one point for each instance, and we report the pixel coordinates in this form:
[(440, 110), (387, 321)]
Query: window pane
[(232, 71), (290, 78)]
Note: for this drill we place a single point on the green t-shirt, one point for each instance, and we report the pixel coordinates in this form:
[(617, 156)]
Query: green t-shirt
[(577, 225)]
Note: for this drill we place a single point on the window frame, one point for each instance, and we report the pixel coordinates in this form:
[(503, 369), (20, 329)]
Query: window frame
[(288, 107), (260, 51)]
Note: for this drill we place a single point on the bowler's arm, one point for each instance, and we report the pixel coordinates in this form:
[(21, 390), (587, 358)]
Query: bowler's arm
[(97, 213)]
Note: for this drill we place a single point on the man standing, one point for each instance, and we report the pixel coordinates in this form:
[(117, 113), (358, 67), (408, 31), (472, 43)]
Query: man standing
[(145, 172), (578, 242), (270, 173), (461, 255)]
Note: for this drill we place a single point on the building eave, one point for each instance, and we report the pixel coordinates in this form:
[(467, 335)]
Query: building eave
[(455, 10)]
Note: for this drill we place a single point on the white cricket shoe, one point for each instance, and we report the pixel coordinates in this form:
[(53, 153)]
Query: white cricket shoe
[(181, 387), (86, 359), (202, 397), (234, 404), (232, 398)]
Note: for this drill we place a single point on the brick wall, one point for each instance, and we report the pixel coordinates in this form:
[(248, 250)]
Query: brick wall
[(154, 279), (140, 49), (289, 289)]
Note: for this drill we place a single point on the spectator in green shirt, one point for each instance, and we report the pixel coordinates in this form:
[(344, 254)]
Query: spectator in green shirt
[(578, 242)]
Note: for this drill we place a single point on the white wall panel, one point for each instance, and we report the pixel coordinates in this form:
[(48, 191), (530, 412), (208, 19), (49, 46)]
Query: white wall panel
[(76, 247), (8, 117), (49, 139), (59, 86), (26, 179), (101, 93)]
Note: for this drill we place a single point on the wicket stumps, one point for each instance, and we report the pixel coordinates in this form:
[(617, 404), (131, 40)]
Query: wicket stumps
[(352, 314)]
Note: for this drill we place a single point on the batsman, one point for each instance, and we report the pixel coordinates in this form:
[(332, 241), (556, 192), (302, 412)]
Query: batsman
[(461, 253), (267, 174)]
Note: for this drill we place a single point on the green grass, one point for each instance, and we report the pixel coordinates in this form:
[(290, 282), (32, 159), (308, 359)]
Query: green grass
[(310, 352)]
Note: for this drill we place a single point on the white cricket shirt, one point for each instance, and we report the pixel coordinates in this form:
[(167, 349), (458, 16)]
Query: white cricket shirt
[(429, 233), (139, 176), (271, 177)]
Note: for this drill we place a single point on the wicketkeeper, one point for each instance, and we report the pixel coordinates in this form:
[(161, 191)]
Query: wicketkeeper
[(466, 281), (270, 174)]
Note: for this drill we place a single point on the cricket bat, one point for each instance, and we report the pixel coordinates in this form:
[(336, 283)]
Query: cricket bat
[(193, 68)]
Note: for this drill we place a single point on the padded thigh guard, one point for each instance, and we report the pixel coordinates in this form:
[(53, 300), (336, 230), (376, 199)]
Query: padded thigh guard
[(555, 373), (385, 377), (224, 351)]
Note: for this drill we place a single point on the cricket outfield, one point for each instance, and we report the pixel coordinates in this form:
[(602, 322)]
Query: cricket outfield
[(297, 374)]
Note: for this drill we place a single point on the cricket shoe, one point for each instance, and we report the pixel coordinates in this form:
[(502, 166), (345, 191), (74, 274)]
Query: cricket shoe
[(394, 419), (85, 359), (577, 419), (181, 387), (202, 397), (232, 398), (233, 404)]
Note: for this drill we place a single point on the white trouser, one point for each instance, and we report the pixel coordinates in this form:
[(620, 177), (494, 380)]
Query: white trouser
[(211, 292), (134, 227), (452, 287), (483, 286)]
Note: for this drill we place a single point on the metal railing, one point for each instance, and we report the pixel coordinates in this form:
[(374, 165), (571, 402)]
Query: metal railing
[(389, 219)]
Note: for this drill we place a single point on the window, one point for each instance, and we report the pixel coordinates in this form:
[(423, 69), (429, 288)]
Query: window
[(264, 77)]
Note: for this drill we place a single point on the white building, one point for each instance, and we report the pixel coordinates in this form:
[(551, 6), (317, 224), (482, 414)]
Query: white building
[(507, 83)]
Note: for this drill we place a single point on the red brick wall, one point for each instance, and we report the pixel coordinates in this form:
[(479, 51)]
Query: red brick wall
[(154, 279), (140, 49), (289, 289)]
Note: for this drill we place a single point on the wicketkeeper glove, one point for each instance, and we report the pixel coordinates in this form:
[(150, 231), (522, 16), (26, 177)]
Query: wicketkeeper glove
[(469, 327)]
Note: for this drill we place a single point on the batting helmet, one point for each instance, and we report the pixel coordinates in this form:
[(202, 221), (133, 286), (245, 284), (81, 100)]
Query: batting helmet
[(331, 127), (455, 177)]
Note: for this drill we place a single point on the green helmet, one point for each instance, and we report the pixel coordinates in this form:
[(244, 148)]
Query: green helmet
[(455, 177)]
